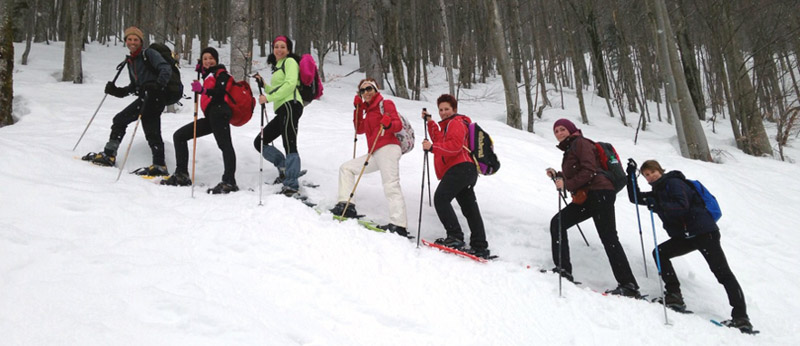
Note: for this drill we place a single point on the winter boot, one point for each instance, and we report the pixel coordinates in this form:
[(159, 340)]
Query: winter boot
[(481, 253), (288, 191), (451, 242), (394, 229), (564, 274), (626, 290), (152, 170), (100, 159), (673, 301), (741, 323), (282, 176), (350, 213), (178, 179), (223, 188)]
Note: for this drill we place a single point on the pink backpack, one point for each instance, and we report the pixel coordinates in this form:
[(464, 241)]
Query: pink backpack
[(310, 86)]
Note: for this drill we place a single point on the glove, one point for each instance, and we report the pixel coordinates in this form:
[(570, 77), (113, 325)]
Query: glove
[(386, 122), (197, 87), (631, 170), (651, 203), (199, 67), (113, 90), (357, 101)]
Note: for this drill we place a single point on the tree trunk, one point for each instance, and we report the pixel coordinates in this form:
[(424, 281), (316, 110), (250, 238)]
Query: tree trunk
[(448, 53), (30, 27), (391, 43), (691, 137), (6, 65), (514, 116), (240, 42), (368, 49)]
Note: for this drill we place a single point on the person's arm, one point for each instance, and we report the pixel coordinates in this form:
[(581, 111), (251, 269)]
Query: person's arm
[(452, 141), (155, 60), (587, 161), (678, 202), (390, 111)]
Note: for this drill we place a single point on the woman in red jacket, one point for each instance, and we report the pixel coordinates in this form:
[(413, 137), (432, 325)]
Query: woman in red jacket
[(216, 121), (372, 114), (457, 174), (579, 175)]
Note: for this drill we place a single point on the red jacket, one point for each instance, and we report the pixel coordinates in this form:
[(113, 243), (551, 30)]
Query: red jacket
[(449, 139), (208, 83), (367, 120)]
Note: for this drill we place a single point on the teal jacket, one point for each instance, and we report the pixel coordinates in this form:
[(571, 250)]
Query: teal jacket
[(284, 82)]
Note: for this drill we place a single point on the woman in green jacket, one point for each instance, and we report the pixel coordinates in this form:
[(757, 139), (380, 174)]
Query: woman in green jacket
[(288, 105)]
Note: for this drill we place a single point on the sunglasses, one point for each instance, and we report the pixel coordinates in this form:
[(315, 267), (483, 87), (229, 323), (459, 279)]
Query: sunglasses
[(363, 90)]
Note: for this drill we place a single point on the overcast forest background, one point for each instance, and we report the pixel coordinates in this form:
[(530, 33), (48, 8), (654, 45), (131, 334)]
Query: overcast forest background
[(699, 61)]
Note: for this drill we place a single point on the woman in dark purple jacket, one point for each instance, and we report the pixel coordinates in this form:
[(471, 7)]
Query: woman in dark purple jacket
[(690, 227), (593, 196)]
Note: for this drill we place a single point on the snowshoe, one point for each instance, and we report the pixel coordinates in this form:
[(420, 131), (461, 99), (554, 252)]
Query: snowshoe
[(626, 290), (401, 231), (223, 188), (178, 179), (451, 242), (288, 191), (350, 213), (482, 253), (564, 274), (152, 171), (741, 323), (673, 301), (100, 159)]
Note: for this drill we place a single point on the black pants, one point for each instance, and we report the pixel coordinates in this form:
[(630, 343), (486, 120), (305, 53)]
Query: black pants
[(458, 182), (151, 124), (599, 205), (284, 124), (216, 121), (710, 248)]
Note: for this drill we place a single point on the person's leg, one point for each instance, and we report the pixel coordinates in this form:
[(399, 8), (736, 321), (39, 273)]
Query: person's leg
[(602, 202), (469, 208), (294, 110), (453, 181), (673, 247), (181, 139), (710, 248), (272, 130), (119, 125), (348, 172), (219, 118), (387, 160), (151, 124), (570, 215)]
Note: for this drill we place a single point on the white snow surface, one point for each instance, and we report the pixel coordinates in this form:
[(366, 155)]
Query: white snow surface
[(85, 260)]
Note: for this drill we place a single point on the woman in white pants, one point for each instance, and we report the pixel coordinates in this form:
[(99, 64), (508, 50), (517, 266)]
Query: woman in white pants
[(373, 113)]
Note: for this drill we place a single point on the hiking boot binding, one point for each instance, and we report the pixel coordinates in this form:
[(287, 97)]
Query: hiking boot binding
[(451, 242), (152, 170)]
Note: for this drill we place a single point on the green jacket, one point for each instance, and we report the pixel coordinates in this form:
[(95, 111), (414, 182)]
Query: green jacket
[(284, 83)]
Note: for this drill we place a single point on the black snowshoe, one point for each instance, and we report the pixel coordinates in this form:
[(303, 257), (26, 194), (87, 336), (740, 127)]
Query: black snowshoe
[(178, 179), (100, 159), (152, 171), (223, 188), (673, 301), (626, 290)]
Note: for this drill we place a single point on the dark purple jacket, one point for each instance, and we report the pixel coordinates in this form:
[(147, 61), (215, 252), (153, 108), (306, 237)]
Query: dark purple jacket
[(580, 165)]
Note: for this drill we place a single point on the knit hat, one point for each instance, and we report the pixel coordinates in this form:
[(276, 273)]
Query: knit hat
[(133, 31), (289, 44), (212, 51), (567, 125)]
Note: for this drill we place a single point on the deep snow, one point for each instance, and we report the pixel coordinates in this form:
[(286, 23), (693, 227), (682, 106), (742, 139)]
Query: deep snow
[(85, 260)]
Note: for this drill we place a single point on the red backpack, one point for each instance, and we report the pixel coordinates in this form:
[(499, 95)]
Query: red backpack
[(239, 97)]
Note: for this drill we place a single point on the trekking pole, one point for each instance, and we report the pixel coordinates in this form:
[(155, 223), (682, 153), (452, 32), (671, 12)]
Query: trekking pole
[(194, 135), (260, 84), (563, 195), (366, 162), (128, 151), (356, 115), (658, 265), (426, 166), (639, 221), (560, 246), (422, 196), (119, 70)]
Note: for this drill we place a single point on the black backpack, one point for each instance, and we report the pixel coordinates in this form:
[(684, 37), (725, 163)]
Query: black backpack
[(173, 92)]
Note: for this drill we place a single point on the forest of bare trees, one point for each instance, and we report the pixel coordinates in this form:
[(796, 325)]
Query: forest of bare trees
[(689, 63)]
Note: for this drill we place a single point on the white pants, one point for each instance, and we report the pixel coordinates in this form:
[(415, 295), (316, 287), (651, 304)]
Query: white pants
[(386, 160)]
